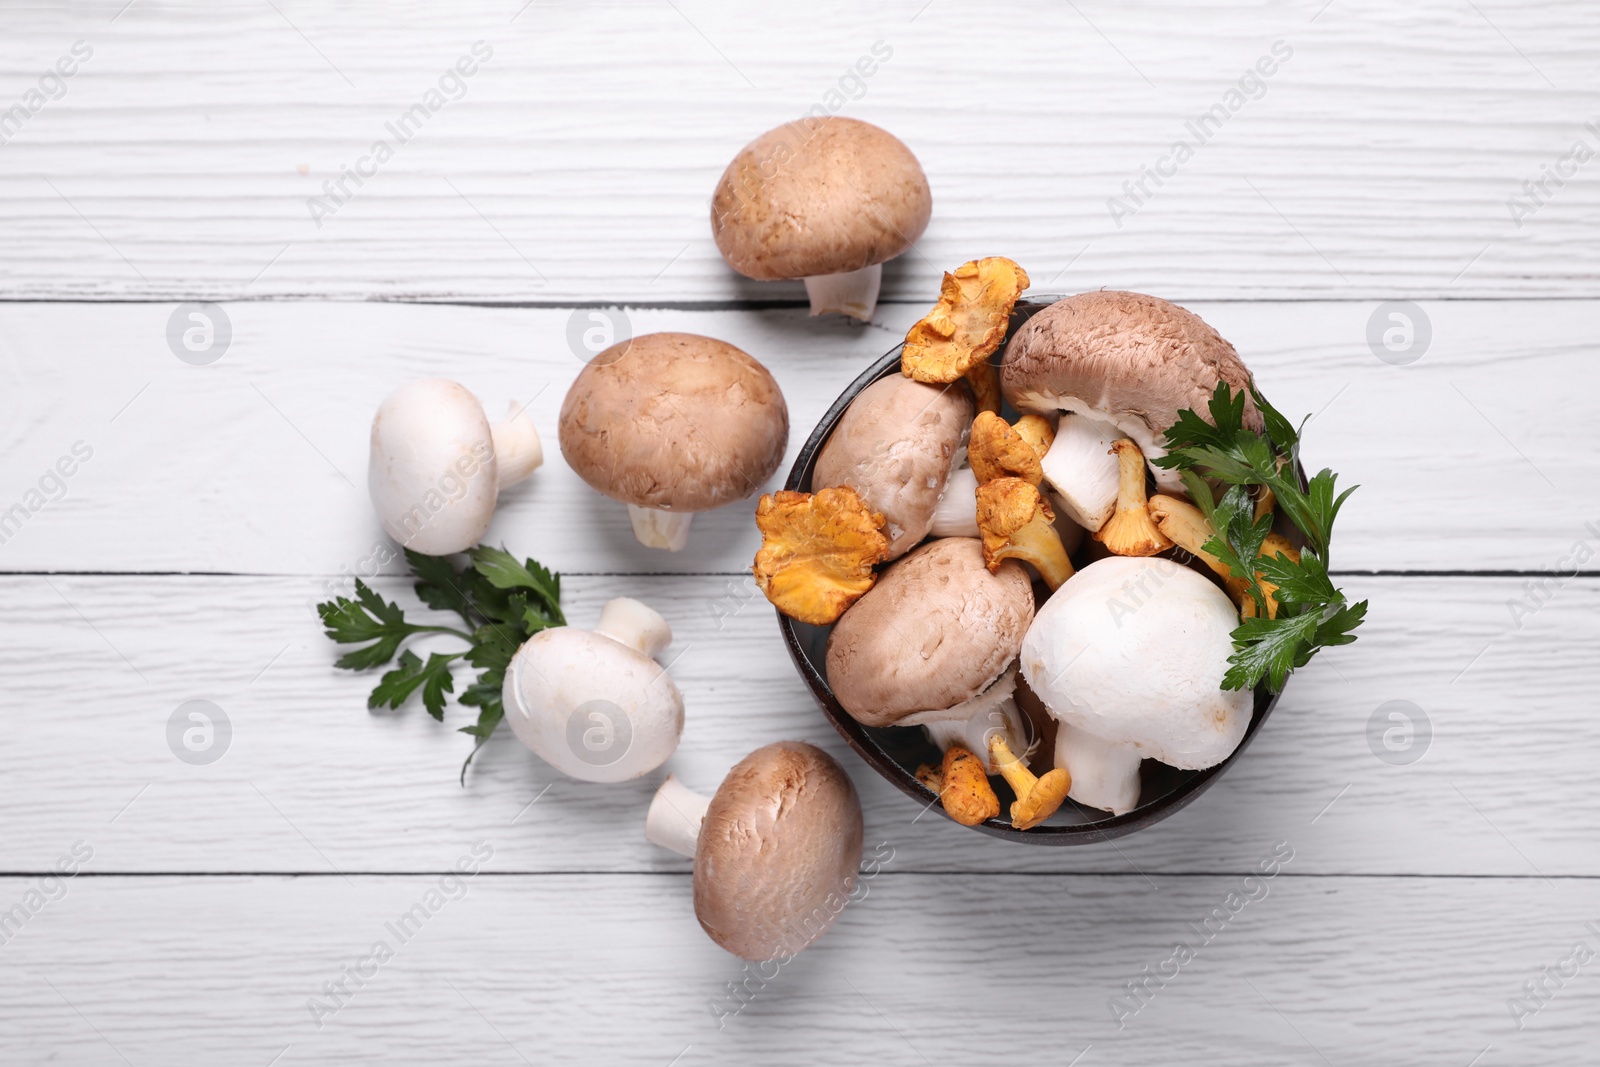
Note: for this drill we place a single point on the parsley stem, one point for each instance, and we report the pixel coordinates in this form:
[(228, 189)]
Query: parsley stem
[(443, 630)]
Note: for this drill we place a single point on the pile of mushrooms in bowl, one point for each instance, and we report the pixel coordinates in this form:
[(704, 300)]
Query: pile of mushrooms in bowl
[(995, 595)]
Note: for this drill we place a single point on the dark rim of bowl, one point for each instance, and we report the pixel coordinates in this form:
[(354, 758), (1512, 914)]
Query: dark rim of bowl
[(867, 746)]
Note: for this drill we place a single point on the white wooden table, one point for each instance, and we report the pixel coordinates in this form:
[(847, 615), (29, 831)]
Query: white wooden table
[(180, 561)]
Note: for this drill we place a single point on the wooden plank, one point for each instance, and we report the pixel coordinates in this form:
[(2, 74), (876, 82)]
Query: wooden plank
[(311, 781), (256, 463), (607, 969), (1379, 158)]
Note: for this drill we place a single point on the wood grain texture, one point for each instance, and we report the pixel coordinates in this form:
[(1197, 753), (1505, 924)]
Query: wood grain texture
[(1378, 162), (1475, 457), (594, 969), (314, 782), (1378, 159)]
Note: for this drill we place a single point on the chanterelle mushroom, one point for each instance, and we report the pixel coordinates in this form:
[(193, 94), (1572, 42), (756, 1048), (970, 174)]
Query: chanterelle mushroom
[(596, 705), (929, 646), (895, 445), (672, 424), (1189, 529), (775, 851), (1124, 359), (437, 466), (1132, 651), (966, 326), (1131, 531), (817, 552), (824, 199), (1017, 523), (996, 449)]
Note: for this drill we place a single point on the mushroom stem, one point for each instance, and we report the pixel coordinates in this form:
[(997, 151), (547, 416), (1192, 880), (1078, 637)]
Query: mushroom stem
[(1131, 531), (675, 815), (1104, 774), (1079, 466), (636, 625), (1037, 797), (1187, 528), (984, 381), (956, 514), (971, 723), (660, 529), (517, 451), (853, 293)]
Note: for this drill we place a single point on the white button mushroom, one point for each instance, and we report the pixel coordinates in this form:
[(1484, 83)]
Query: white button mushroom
[(1131, 652), (1125, 364), (437, 466), (775, 851), (672, 424), (824, 199), (595, 705)]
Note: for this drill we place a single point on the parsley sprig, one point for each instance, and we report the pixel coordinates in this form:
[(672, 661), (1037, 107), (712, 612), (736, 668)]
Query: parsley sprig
[(1312, 612), (501, 602)]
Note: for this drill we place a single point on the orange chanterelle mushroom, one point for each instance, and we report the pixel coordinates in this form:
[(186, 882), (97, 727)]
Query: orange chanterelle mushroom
[(958, 336), (817, 552), (1017, 523)]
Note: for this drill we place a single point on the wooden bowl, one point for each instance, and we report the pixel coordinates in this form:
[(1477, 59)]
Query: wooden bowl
[(895, 751)]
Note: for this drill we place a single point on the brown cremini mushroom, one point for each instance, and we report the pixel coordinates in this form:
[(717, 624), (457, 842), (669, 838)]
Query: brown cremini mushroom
[(776, 851), (1124, 359), (936, 630), (1016, 523), (824, 199), (671, 424), (1131, 531), (895, 445), (929, 646), (817, 551)]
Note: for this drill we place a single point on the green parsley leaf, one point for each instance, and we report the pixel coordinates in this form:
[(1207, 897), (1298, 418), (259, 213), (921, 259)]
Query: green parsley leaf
[(503, 602), (440, 585), (368, 617), (433, 677), (1312, 612), (1305, 582), (504, 572), (1267, 647)]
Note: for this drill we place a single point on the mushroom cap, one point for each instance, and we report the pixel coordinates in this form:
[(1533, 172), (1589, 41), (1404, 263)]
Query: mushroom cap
[(819, 196), (778, 851), (1133, 650), (937, 629), (895, 445), (1126, 358), (591, 707), (674, 421), (432, 473)]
